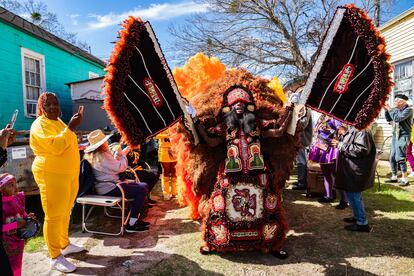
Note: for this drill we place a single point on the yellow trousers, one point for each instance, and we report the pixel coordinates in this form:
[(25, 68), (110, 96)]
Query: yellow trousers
[(169, 186), (58, 193)]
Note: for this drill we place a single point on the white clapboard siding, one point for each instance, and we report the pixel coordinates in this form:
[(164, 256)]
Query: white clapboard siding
[(399, 35)]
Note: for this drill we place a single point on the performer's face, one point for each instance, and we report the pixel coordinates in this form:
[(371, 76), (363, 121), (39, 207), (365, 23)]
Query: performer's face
[(51, 108), (239, 107)]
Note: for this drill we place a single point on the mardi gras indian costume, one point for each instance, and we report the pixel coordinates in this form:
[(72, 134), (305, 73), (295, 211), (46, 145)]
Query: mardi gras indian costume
[(234, 178), (245, 208)]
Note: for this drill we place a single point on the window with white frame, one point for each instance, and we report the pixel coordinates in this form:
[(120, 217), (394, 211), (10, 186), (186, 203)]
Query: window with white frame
[(403, 79), (403, 82), (33, 70)]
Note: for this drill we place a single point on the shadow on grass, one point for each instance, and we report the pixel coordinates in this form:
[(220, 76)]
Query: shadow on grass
[(148, 263), (317, 236)]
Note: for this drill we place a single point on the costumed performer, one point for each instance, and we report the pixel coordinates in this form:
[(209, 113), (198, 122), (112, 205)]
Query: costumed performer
[(203, 81)]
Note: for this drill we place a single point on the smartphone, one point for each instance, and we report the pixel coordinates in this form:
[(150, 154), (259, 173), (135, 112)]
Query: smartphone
[(13, 118), (80, 111)]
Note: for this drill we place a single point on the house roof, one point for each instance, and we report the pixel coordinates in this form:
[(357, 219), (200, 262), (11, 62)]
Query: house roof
[(32, 29), (74, 82), (397, 19)]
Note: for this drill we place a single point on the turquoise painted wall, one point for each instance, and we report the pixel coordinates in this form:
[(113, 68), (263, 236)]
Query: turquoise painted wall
[(60, 66)]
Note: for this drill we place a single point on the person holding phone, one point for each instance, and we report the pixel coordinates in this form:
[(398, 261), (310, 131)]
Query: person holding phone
[(56, 172), (7, 137)]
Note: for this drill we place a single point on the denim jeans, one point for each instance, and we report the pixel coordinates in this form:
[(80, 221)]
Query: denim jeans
[(358, 209), (302, 162), (137, 191)]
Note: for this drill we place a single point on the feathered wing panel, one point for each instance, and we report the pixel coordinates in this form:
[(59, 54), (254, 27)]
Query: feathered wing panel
[(351, 78), (141, 96)]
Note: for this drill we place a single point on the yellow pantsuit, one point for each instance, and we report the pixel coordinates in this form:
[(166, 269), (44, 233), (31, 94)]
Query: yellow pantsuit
[(168, 161), (56, 171)]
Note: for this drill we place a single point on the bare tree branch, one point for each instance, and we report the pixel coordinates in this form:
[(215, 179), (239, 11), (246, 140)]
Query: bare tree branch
[(279, 37)]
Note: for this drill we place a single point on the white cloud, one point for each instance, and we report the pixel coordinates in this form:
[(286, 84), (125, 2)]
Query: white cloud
[(73, 19), (153, 12)]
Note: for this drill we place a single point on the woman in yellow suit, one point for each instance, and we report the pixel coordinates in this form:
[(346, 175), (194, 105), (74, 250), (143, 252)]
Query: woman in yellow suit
[(56, 171), (167, 159)]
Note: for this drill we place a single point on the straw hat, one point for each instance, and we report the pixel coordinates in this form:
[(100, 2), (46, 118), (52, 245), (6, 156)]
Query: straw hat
[(96, 139)]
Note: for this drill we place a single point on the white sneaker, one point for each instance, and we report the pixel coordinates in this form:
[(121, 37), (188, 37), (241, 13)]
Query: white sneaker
[(411, 174), (71, 248), (62, 265)]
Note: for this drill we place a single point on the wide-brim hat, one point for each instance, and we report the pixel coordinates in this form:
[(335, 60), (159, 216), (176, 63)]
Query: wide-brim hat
[(96, 139)]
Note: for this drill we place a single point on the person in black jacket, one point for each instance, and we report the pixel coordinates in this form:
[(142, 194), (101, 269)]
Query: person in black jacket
[(7, 137), (355, 172)]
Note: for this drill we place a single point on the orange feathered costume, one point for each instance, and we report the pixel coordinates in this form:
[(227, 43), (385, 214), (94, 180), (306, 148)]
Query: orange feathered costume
[(203, 81)]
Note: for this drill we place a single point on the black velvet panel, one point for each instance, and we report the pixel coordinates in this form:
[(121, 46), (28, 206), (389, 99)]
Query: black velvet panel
[(141, 97), (339, 55), (361, 96)]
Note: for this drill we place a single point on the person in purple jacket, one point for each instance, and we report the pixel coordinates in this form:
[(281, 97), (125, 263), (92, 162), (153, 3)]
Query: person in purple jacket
[(323, 153)]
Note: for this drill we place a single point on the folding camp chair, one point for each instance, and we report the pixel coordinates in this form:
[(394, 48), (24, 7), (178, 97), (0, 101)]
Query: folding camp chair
[(86, 197), (380, 151)]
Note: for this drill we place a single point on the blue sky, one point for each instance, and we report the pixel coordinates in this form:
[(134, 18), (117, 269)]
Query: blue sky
[(97, 21)]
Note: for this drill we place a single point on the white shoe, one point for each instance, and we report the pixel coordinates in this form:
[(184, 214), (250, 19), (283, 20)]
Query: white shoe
[(62, 265), (71, 248), (411, 174)]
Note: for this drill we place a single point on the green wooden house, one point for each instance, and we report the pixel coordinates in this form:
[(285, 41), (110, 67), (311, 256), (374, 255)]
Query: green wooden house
[(33, 60)]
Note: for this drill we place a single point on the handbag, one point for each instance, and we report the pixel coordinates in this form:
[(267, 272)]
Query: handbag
[(31, 229)]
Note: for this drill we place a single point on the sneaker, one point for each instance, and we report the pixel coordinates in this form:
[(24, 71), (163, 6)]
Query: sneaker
[(281, 254), (411, 174), (392, 180), (135, 228), (297, 187), (342, 205), (325, 200), (71, 249), (358, 228), (404, 182), (143, 223), (62, 265), (350, 220)]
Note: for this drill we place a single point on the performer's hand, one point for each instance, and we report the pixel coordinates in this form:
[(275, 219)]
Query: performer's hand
[(387, 107), (334, 143)]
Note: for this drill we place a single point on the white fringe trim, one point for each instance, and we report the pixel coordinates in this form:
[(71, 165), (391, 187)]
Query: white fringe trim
[(336, 22)]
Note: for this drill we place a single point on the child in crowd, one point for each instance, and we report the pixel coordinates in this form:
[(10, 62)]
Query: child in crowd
[(167, 158), (13, 218)]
